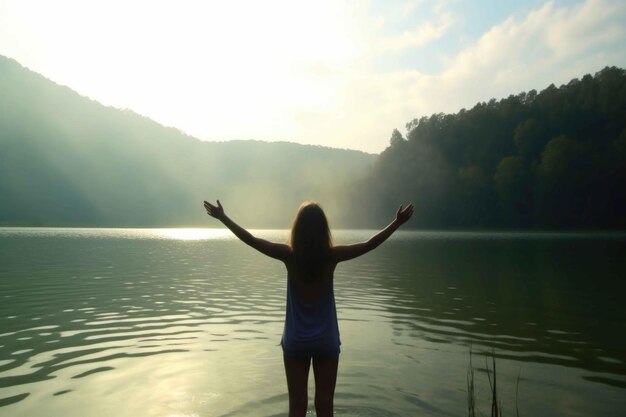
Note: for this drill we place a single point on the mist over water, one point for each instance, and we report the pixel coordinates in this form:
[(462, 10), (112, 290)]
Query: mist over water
[(175, 322)]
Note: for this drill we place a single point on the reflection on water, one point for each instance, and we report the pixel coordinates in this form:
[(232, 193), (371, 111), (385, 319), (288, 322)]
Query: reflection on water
[(186, 322)]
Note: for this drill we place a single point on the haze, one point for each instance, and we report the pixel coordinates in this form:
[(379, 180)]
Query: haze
[(331, 72)]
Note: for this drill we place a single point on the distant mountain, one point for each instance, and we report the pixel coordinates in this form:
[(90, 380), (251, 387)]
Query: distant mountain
[(69, 160)]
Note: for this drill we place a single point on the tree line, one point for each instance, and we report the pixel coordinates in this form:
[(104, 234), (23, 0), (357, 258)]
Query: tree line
[(553, 159)]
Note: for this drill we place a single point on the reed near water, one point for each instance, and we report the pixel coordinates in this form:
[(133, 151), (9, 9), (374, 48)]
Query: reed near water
[(496, 403)]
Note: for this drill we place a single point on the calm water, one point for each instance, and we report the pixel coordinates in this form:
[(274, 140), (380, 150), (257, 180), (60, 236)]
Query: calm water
[(173, 323)]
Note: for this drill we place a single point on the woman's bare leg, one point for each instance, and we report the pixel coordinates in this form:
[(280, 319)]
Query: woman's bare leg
[(325, 371), (297, 372)]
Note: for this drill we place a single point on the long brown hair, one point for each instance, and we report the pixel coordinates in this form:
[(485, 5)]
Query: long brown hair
[(310, 241)]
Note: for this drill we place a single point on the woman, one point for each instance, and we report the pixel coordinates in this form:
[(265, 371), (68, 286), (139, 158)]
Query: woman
[(311, 333)]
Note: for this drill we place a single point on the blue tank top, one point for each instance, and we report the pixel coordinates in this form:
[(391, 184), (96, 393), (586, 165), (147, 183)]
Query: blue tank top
[(311, 327)]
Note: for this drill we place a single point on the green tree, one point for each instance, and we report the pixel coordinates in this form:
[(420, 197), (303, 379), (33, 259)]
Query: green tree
[(514, 188), (396, 138), (529, 138)]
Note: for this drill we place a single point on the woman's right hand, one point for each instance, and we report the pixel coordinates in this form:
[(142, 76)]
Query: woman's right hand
[(214, 211), (404, 214)]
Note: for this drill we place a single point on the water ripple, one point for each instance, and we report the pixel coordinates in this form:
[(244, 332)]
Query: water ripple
[(78, 307)]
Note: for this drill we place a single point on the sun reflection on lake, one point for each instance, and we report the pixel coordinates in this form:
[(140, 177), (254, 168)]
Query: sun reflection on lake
[(194, 234)]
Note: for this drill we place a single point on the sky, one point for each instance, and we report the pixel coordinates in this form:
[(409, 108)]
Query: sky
[(338, 73)]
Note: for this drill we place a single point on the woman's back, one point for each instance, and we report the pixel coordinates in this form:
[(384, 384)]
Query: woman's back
[(310, 287), (311, 327)]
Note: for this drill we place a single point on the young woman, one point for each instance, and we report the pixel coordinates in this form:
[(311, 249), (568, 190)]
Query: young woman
[(311, 333)]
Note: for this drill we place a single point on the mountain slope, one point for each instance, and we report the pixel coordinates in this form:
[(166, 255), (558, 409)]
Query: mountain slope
[(68, 160)]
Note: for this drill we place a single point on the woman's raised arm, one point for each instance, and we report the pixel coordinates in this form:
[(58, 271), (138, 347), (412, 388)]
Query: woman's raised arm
[(274, 250), (346, 252)]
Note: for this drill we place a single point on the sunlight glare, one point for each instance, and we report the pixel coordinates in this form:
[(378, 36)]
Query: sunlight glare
[(194, 234), (224, 65)]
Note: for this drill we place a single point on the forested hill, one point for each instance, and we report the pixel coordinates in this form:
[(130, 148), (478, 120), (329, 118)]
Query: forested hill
[(553, 159), (68, 160)]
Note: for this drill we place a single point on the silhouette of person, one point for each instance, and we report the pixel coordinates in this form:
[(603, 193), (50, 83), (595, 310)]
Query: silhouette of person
[(311, 332)]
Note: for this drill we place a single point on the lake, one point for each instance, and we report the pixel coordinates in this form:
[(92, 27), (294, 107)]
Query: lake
[(187, 323)]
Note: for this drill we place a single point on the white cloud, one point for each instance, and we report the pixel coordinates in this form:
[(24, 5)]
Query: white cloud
[(549, 45), (407, 24), (540, 49), (576, 30), (420, 35)]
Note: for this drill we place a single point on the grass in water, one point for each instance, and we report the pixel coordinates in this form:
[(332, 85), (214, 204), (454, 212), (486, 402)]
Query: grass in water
[(496, 404)]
